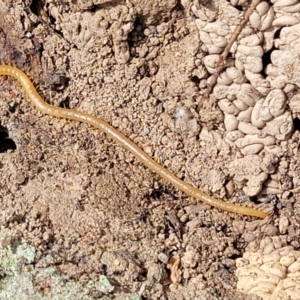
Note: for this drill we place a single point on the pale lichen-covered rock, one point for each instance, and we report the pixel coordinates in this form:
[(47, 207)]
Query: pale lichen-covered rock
[(271, 271), (285, 61), (252, 169), (262, 17), (152, 12)]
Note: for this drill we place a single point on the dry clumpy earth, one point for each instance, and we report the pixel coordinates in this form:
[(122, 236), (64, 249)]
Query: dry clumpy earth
[(80, 217)]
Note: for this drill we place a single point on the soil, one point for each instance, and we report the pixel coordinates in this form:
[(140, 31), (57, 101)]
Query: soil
[(96, 222)]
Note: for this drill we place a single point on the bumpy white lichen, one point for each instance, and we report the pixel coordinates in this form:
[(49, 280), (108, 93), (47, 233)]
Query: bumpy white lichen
[(89, 30), (257, 115), (272, 271)]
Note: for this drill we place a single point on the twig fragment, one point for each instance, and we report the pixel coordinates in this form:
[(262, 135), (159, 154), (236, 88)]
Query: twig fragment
[(224, 55)]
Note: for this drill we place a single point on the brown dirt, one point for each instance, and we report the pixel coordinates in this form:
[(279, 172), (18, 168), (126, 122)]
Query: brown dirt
[(85, 204)]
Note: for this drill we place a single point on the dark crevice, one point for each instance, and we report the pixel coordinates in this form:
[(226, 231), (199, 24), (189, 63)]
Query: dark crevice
[(5, 142), (52, 20), (136, 35), (297, 124), (195, 79), (96, 7), (65, 103), (239, 7), (277, 34), (266, 60), (155, 194), (36, 6)]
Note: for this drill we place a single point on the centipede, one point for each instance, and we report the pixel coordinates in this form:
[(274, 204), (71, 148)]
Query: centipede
[(72, 114)]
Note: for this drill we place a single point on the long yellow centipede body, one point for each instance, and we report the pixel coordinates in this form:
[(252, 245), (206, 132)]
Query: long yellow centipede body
[(72, 114)]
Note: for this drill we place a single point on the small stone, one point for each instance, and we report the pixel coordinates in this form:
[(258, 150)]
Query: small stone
[(283, 224)]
